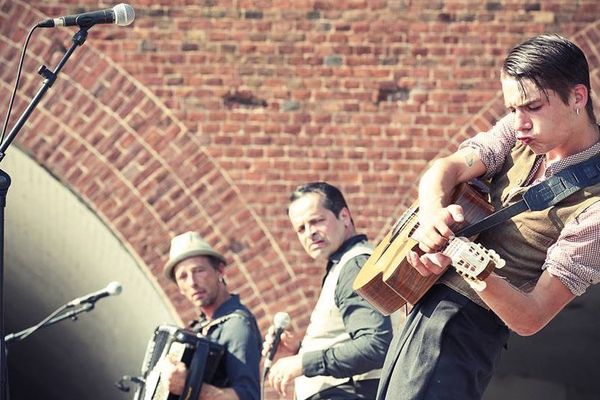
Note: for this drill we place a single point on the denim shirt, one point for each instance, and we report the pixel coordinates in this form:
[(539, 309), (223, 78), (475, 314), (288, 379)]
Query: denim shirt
[(242, 341)]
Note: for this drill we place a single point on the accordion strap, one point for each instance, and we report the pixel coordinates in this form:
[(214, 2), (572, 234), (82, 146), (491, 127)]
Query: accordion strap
[(194, 379), (203, 327)]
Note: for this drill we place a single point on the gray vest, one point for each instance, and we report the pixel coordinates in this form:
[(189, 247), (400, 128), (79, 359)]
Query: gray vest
[(326, 329)]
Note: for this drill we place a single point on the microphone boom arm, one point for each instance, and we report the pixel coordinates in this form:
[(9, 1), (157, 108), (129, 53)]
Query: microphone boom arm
[(50, 77), (50, 320)]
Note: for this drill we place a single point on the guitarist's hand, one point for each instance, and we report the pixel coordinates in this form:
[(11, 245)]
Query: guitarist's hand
[(433, 234), (434, 230), (429, 263)]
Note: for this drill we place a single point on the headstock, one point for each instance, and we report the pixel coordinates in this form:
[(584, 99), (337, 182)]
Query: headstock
[(472, 261)]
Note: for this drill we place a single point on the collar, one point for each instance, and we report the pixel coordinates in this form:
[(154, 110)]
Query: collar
[(228, 306), (573, 159), (348, 244)]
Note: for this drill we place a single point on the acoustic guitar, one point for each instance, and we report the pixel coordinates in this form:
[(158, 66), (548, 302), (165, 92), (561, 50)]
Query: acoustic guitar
[(388, 281)]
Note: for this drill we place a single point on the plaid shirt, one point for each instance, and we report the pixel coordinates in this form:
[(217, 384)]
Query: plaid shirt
[(574, 257)]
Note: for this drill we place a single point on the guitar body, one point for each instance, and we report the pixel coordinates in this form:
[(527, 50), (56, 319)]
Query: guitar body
[(387, 280), (369, 281)]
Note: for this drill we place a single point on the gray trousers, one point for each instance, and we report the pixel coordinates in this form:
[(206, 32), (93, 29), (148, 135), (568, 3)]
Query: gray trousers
[(447, 349)]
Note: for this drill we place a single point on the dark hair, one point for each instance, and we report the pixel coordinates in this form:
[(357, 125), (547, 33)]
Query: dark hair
[(551, 62), (333, 199), (214, 262)]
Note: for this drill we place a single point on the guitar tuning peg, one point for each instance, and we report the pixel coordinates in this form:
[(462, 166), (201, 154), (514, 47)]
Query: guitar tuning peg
[(477, 285)]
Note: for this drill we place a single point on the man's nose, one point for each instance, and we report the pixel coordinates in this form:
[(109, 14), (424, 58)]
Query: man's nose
[(522, 121), (308, 232), (190, 281)]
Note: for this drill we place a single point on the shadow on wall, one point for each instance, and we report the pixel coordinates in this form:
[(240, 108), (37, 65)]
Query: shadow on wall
[(57, 249)]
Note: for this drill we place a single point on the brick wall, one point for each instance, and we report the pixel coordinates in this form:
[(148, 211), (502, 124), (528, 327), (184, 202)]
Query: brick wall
[(206, 114)]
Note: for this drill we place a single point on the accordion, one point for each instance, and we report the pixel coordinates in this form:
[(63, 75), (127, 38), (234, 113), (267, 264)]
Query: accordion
[(202, 358)]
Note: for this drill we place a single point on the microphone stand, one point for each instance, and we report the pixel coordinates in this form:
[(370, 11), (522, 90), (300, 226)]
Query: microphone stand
[(51, 320), (50, 77)]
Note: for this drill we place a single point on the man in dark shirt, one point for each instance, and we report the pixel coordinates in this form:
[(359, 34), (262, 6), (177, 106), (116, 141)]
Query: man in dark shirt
[(347, 339), (198, 271)]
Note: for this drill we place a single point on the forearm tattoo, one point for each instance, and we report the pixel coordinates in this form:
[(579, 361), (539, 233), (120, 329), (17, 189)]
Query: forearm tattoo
[(470, 158)]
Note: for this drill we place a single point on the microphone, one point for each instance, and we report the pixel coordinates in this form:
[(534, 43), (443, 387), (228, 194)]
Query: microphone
[(121, 14), (280, 322), (112, 289)]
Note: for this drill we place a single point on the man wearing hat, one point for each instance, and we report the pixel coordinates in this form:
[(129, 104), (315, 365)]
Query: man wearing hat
[(198, 270)]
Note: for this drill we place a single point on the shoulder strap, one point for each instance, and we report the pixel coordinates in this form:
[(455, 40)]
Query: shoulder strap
[(205, 328), (563, 184), (544, 194)]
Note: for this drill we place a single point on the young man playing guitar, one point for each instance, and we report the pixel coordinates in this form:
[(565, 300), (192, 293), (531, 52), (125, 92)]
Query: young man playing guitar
[(452, 339)]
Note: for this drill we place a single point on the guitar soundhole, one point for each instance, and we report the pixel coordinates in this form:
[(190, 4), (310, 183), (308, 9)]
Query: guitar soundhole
[(407, 217), (414, 228)]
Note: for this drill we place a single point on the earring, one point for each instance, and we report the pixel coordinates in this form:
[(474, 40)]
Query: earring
[(577, 111)]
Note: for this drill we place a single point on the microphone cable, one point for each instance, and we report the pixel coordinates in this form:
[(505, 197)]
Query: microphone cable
[(12, 97)]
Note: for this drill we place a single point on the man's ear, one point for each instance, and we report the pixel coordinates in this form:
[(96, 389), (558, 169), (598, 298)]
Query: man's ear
[(221, 270), (581, 96), (346, 217)]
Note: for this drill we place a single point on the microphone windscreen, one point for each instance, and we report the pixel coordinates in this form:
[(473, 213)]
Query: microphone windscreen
[(114, 288), (281, 320), (124, 14)]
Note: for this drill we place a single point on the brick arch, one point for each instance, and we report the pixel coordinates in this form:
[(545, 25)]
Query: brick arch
[(117, 146), (494, 109)]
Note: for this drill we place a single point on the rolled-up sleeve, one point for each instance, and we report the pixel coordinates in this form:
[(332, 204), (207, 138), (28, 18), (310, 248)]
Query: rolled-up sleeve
[(494, 145), (369, 330), (573, 259)]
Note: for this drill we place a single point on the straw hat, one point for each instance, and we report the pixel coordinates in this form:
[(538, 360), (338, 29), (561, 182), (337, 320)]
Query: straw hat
[(187, 245)]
